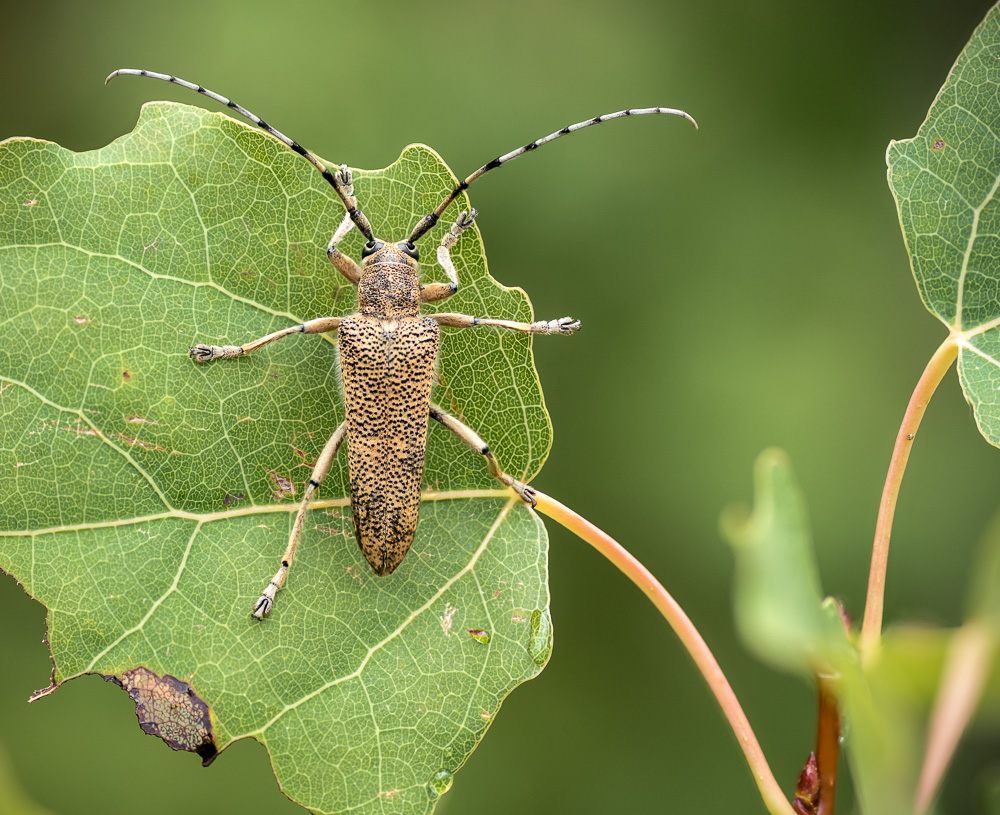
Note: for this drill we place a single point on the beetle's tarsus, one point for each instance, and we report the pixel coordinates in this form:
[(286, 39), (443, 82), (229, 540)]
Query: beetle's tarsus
[(261, 608)]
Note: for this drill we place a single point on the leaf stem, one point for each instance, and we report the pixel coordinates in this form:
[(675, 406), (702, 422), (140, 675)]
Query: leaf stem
[(937, 367), (827, 744), (770, 791)]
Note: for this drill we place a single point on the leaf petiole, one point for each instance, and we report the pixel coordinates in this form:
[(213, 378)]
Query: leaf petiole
[(774, 798), (937, 367)]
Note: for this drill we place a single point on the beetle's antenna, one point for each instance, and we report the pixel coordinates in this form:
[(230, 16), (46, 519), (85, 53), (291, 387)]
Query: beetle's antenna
[(428, 221), (340, 180)]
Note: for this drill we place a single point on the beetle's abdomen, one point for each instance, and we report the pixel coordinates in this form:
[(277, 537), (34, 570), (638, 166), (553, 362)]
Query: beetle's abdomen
[(387, 376)]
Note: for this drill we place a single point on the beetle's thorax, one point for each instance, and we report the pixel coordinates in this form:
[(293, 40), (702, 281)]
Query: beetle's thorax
[(389, 285)]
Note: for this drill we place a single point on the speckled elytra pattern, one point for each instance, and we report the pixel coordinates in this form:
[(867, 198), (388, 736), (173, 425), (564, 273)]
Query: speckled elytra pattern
[(387, 370), (387, 358)]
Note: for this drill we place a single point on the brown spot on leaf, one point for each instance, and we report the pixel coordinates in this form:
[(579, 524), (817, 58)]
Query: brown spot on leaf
[(30, 203), (140, 420), (82, 319), (331, 530), (285, 487), (145, 445), (127, 375), (170, 710), (231, 498), (938, 145)]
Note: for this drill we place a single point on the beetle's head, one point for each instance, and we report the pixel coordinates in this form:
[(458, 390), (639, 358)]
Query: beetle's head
[(403, 253), (389, 285)]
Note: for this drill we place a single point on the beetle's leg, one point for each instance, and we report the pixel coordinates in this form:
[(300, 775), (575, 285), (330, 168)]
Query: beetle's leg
[(433, 292), (206, 353), (343, 264), (472, 439), (265, 602), (564, 325), (439, 291)]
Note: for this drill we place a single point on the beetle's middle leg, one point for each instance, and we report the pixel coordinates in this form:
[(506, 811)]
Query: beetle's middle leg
[(265, 602), (564, 325), (206, 353), (473, 440)]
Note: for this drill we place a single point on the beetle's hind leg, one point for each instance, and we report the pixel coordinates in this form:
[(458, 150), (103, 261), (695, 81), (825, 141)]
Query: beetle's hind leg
[(265, 602), (473, 440)]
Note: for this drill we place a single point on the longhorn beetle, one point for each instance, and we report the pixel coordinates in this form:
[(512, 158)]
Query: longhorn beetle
[(388, 353)]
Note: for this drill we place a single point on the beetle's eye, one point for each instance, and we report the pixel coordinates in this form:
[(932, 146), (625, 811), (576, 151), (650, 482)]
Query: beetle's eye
[(371, 247), (410, 248)]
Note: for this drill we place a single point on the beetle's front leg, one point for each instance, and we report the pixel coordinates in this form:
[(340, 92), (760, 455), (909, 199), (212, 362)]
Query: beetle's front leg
[(342, 263), (473, 440), (206, 353), (433, 292)]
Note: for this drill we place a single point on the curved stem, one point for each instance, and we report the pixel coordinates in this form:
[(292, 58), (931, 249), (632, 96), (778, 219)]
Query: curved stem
[(937, 367), (774, 798)]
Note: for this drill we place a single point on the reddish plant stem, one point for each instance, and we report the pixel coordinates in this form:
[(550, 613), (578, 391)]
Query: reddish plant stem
[(937, 367), (774, 798), (827, 745)]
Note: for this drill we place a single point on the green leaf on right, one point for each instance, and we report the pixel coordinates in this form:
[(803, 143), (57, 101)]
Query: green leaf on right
[(945, 183)]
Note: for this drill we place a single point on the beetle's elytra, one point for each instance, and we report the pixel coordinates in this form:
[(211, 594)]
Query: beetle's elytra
[(388, 354)]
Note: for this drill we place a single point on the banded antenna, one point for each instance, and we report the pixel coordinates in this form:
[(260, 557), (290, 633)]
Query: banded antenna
[(429, 220), (340, 181)]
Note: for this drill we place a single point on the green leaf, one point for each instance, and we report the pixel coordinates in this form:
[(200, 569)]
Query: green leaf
[(779, 606), (783, 618), (945, 182), (146, 499)]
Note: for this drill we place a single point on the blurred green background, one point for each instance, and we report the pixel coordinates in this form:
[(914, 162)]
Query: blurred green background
[(742, 286)]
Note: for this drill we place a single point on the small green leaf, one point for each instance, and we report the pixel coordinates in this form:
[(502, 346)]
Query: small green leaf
[(945, 183), (779, 606), (149, 499), (783, 618)]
